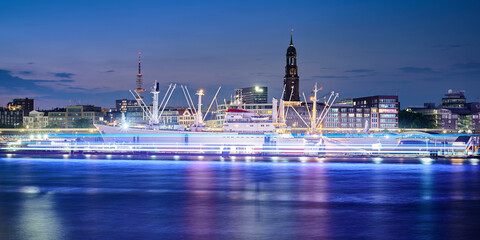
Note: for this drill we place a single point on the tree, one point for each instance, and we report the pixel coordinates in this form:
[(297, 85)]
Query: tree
[(414, 120), (5, 125), (81, 123)]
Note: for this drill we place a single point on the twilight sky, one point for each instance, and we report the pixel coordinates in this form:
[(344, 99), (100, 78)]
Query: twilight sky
[(65, 52)]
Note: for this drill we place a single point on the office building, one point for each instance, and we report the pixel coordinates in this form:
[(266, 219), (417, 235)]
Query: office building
[(25, 104), (252, 95)]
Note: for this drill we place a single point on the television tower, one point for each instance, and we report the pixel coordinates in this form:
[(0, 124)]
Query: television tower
[(139, 88)]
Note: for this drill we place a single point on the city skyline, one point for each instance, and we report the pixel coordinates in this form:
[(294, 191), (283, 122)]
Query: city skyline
[(86, 53)]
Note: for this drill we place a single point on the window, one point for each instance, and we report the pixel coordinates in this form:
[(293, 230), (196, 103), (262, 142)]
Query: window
[(388, 120), (388, 100), (388, 105), (388, 115)]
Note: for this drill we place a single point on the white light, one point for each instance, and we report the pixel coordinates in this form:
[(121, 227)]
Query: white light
[(426, 161)]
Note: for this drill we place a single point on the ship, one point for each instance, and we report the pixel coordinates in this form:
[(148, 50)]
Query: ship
[(242, 131)]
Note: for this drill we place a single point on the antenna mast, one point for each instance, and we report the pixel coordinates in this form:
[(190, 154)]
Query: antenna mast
[(139, 89)]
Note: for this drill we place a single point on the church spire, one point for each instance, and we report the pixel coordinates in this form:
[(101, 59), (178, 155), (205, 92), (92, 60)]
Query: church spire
[(291, 37)]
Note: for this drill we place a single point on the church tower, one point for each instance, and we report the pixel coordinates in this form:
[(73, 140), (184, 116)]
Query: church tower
[(291, 79)]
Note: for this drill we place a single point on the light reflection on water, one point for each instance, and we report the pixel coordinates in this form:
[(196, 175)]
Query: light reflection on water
[(78, 199)]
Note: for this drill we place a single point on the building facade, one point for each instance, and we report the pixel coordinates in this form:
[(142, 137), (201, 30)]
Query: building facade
[(374, 113), (35, 119), (186, 117), (453, 113), (66, 118), (442, 118), (252, 95), (122, 104), (25, 104), (454, 99), (11, 118)]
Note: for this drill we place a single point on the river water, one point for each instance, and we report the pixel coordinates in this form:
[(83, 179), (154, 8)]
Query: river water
[(119, 199)]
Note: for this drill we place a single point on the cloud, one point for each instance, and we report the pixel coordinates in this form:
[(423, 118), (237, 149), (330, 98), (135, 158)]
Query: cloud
[(63, 75), (447, 47), (110, 71), (360, 71), (416, 70), (25, 72), (30, 63), (47, 93), (342, 76), (329, 76), (467, 66)]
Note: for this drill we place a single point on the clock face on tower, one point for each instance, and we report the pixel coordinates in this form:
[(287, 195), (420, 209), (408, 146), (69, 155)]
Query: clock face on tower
[(292, 71)]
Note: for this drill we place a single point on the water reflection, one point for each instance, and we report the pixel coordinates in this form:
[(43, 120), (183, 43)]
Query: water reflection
[(237, 200), (37, 218), (200, 205)]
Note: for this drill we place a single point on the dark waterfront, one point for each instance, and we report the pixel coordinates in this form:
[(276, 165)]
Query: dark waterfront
[(112, 199)]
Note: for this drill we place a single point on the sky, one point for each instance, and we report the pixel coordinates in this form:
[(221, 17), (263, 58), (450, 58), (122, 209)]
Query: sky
[(85, 52)]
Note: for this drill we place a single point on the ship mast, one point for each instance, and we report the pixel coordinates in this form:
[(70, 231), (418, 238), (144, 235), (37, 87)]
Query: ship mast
[(199, 119), (154, 119), (313, 118)]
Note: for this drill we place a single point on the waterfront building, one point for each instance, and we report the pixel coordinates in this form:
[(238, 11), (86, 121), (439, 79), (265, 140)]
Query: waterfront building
[(384, 110), (35, 119), (122, 104), (186, 117), (170, 116), (454, 99), (11, 118), (443, 118), (252, 95), (454, 111), (25, 104), (135, 114), (374, 113), (65, 118)]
